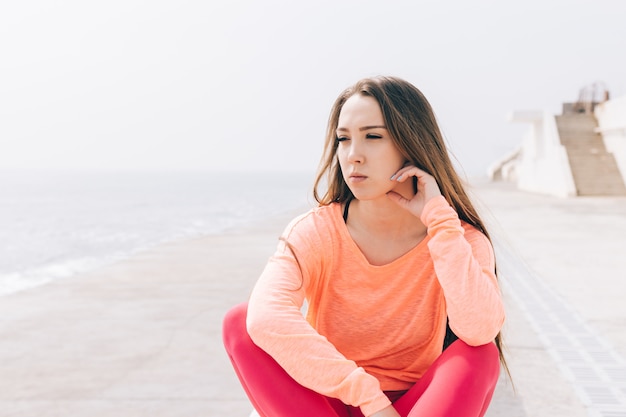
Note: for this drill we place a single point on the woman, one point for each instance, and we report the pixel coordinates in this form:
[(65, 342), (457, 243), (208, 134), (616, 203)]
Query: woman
[(395, 264)]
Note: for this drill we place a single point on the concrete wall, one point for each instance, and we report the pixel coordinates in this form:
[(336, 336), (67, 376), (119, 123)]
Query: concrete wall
[(542, 165), (611, 117)]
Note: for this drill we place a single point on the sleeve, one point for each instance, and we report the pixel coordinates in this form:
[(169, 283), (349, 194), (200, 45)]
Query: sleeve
[(276, 324), (464, 263)]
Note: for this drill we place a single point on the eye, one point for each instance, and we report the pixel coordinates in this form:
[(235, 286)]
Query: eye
[(373, 136), (341, 138)]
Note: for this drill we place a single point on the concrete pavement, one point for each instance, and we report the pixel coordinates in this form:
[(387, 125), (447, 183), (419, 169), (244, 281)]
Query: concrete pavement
[(562, 268)]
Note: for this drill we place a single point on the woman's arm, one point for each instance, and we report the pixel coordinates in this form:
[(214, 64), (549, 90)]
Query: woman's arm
[(276, 324), (465, 266), (463, 260)]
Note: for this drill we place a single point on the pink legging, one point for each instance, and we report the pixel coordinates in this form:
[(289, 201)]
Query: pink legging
[(459, 383)]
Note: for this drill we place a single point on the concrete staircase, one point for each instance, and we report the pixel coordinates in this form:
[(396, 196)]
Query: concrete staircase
[(595, 170)]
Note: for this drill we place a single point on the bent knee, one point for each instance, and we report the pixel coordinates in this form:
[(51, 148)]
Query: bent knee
[(487, 352), (485, 358), (234, 326)]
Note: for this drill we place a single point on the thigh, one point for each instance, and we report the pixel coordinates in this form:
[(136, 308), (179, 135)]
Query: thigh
[(272, 392), (459, 383)]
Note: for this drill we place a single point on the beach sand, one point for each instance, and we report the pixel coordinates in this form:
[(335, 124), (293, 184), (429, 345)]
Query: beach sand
[(142, 337)]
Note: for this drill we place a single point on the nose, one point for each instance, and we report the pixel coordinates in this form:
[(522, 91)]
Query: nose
[(355, 153)]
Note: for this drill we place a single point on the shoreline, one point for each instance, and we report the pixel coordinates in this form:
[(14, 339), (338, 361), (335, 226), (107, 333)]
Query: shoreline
[(17, 281), (62, 223)]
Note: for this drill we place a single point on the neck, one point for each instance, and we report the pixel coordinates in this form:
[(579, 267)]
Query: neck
[(383, 217)]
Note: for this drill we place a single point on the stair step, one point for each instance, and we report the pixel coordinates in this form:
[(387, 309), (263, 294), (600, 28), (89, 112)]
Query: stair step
[(575, 122), (589, 168), (601, 191), (583, 145), (579, 136), (594, 170), (587, 155), (582, 140), (597, 152)]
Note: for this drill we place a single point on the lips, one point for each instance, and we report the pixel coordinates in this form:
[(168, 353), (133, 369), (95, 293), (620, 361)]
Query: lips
[(357, 177)]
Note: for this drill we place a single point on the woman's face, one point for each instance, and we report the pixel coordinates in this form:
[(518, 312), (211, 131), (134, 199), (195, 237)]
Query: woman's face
[(367, 155)]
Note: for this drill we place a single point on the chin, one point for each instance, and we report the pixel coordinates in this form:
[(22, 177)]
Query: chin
[(367, 196)]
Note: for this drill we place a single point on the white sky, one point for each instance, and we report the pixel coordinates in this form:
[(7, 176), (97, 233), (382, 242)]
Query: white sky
[(248, 85)]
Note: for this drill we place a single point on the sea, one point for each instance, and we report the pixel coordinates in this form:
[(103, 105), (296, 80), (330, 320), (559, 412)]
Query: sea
[(59, 223)]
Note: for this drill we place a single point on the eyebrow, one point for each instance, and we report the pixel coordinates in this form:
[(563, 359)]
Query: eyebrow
[(343, 129)]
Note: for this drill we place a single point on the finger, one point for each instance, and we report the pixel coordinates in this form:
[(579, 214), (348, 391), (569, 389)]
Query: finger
[(406, 172), (398, 199), (401, 173), (410, 170)]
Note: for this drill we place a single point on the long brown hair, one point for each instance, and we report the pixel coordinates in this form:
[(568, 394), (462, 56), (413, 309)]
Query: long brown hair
[(414, 130)]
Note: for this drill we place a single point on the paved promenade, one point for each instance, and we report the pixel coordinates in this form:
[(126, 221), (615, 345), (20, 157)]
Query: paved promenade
[(142, 337), (563, 268)]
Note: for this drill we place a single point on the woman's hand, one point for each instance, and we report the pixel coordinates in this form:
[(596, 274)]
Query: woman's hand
[(386, 412), (427, 189)]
